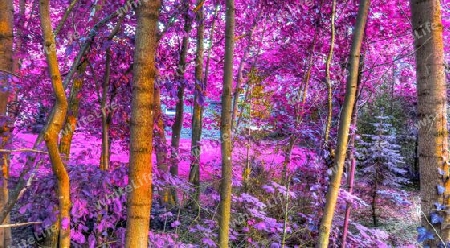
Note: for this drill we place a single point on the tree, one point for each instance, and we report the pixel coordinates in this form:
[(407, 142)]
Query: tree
[(197, 117), (107, 115), (140, 198), (54, 126), (382, 160), (432, 105), (6, 68), (328, 76), (344, 125), (225, 128), (72, 115), (179, 108)]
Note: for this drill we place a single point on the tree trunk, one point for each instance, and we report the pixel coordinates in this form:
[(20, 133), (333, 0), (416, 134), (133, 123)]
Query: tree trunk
[(374, 201), (179, 109), (72, 115), (197, 116), (139, 200), (160, 143), (54, 126), (240, 78), (432, 104), (225, 128), (6, 65), (344, 126), (351, 158), (328, 76), (106, 116)]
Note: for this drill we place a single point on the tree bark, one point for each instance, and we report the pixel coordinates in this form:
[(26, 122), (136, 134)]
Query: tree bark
[(107, 115), (351, 158), (140, 198), (344, 125), (225, 128), (72, 115), (160, 143), (6, 65), (432, 104), (54, 126), (197, 117), (328, 76), (179, 109)]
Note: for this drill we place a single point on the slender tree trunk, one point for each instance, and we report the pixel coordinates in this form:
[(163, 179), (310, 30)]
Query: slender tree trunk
[(225, 129), (248, 169), (179, 109), (374, 201), (211, 38), (328, 76), (240, 77), (160, 143), (6, 65), (415, 165), (106, 116), (72, 114), (54, 126), (344, 125), (299, 107), (432, 103), (139, 200), (197, 117), (352, 159)]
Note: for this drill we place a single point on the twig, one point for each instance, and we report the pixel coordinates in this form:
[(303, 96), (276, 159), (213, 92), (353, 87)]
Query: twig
[(11, 73), (66, 15), (19, 224), (22, 150), (434, 229)]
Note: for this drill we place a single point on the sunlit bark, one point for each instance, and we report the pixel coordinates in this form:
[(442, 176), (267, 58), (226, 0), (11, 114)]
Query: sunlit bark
[(344, 126), (328, 75), (54, 126), (432, 104), (6, 65), (139, 200), (225, 128), (72, 114)]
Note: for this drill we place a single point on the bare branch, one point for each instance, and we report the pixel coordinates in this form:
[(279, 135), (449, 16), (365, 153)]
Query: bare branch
[(22, 150), (66, 15), (19, 224), (11, 73)]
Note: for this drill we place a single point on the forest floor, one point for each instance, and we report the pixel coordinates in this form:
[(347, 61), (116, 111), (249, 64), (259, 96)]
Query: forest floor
[(395, 218)]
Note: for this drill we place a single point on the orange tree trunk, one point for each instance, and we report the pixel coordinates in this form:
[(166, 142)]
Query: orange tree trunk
[(72, 115), (54, 126), (6, 65), (225, 129), (144, 72)]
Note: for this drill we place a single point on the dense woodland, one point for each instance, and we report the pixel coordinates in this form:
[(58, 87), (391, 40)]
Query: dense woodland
[(224, 123)]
